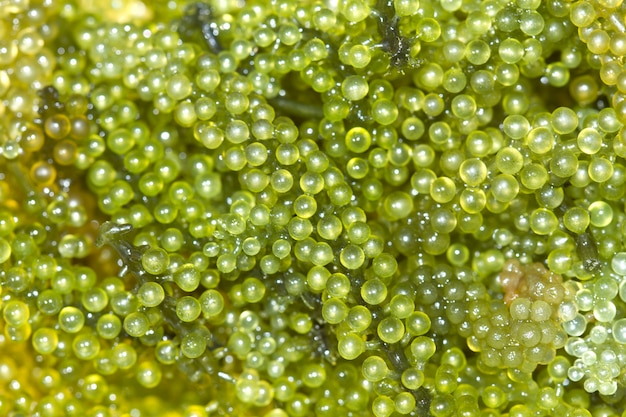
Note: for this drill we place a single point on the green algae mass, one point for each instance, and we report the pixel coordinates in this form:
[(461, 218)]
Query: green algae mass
[(313, 208)]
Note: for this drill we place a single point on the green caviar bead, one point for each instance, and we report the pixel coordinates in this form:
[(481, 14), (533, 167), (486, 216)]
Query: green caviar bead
[(94, 388), (358, 140), (359, 318), (109, 326), (49, 302), (334, 311), (148, 374), (528, 334), (313, 375), (446, 380), (123, 303), (150, 294), (384, 111), (166, 352), (95, 300), (136, 324), (359, 56), (540, 140), (548, 399), (239, 343), (305, 206), (187, 308), (429, 29), (301, 323), (16, 313), (477, 52), (600, 170), (483, 82), (45, 340), (299, 229), (18, 334), (433, 105), (589, 141), (281, 248), (352, 257), (390, 330), (473, 172), (351, 346), (412, 129), (430, 76), (398, 205), (442, 190), (493, 396), (282, 181), (120, 141), (329, 228), (187, 277), (463, 106), (511, 50), (418, 323), (604, 311), (576, 220), (564, 120), (237, 131), (576, 326), (155, 261), (374, 291), (311, 183), (321, 254), (193, 345), (457, 254), (253, 290), (86, 345), (150, 184), (358, 232), (454, 80), (209, 135), (600, 213), (211, 302), (532, 23), (472, 200), (251, 246), (564, 163), (124, 355), (385, 265), (543, 221), (23, 246), (354, 87), (374, 368), (171, 239), (383, 406), (533, 176), (401, 306), (178, 87), (71, 319)]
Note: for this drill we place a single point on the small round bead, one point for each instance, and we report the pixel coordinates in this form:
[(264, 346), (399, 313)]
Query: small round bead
[(109, 326), (45, 340), (193, 345), (136, 324), (148, 374), (71, 319), (16, 313)]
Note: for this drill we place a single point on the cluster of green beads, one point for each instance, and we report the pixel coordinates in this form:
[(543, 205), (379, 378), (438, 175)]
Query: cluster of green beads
[(298, 208)]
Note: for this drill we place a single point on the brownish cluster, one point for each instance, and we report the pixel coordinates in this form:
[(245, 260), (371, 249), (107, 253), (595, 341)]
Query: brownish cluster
[(533, 281)]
